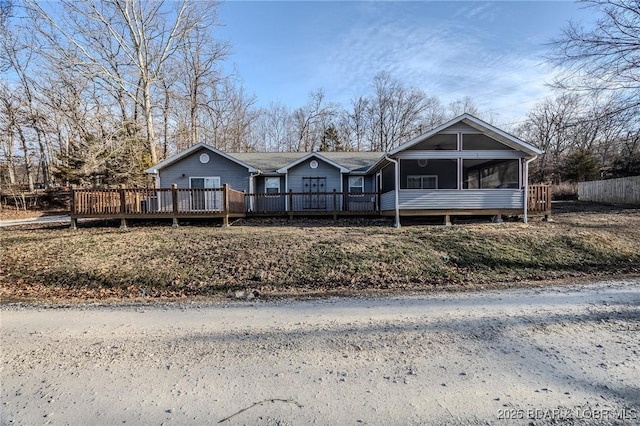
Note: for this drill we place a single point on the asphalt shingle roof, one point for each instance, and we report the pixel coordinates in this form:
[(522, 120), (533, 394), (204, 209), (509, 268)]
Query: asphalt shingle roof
[(269, 162)]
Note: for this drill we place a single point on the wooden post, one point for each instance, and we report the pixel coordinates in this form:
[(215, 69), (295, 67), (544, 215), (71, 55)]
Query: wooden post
[(290, 204), (447, 220), (72, 200), (72, 208), (547, 204), (123, 200), (174, 202), (335, 201), (123, 207), (137, 207), (225, 204)]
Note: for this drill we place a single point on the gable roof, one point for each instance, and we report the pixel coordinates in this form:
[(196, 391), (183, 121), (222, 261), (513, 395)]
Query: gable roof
[(174, 158), (286, 168), (267, 162), (486, 128), (355, 161), (271, 162)]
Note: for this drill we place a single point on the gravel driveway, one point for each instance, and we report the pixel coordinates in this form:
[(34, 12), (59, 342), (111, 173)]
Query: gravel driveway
[(541, 356)]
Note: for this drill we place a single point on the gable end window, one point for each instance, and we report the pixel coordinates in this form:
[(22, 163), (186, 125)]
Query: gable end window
[(422, 182)]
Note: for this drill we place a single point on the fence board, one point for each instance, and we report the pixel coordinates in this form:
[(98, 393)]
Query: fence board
[(618, 191)]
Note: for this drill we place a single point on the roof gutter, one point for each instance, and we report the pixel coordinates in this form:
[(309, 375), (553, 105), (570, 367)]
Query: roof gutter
[(396, 188), (252, 188), (526, 189)]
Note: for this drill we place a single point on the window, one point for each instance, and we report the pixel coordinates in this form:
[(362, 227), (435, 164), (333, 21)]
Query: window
[(272, 185), (205, 182), (422, 182), (204, 158), (430, 174), (489, 174), (473, 142), (203, 195), (356, 184), (440, 142)]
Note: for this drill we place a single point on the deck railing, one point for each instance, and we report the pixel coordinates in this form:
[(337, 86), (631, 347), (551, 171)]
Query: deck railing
[(539, 199), (224, 202), (171, 202), (235, 202), (320, 203)]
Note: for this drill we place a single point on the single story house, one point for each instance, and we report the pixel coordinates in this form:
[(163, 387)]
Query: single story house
[(463, 167)]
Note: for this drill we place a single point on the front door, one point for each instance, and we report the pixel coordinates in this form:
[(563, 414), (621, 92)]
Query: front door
[(204, 200), (315, 193)]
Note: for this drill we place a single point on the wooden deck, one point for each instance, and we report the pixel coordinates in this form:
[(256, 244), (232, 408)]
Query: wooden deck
[(176, 203), (157, 203)]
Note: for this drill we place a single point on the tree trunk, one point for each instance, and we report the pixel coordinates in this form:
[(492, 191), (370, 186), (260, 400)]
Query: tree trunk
[(27, 159), (43, 157), (151, 137), (165, 118), (8, 154)]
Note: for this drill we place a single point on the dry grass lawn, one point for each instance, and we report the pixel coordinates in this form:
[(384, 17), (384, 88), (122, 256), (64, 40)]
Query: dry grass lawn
[(97, 262)]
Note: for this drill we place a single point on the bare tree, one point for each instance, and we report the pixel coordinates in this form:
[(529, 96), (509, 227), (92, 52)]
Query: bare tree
[(7, 132), (462, 106), (604, 58), (143, 34), (19, 59), (239, 118), (11, 113), (354, 124), (275, 123), (311, 120), (433, 115), (548, 126), (198, 66), (395, 111)]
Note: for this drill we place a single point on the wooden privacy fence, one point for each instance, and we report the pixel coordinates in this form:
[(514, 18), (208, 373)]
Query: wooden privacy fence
[(618, 191), (174, 202)]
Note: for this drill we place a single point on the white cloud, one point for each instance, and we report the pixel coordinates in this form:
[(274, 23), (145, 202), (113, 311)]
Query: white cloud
[(446, 58)]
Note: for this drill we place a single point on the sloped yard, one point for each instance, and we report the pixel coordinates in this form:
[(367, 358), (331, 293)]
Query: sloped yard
[(49, 262)]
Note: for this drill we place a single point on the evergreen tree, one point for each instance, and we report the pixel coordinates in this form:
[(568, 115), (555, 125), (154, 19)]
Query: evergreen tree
[(581, 165)]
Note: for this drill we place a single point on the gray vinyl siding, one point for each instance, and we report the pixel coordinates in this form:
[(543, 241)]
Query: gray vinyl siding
[(460, 199), (231, 173), (388, 201), (324, 169)]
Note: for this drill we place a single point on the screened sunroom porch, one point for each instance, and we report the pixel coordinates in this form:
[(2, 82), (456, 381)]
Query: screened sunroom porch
[(468, 184)]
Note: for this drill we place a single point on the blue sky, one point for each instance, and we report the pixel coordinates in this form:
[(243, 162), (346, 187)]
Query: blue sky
[(490, 51)]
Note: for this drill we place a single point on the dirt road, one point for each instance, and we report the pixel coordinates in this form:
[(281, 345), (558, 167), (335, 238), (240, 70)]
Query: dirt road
[(541, 356)]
